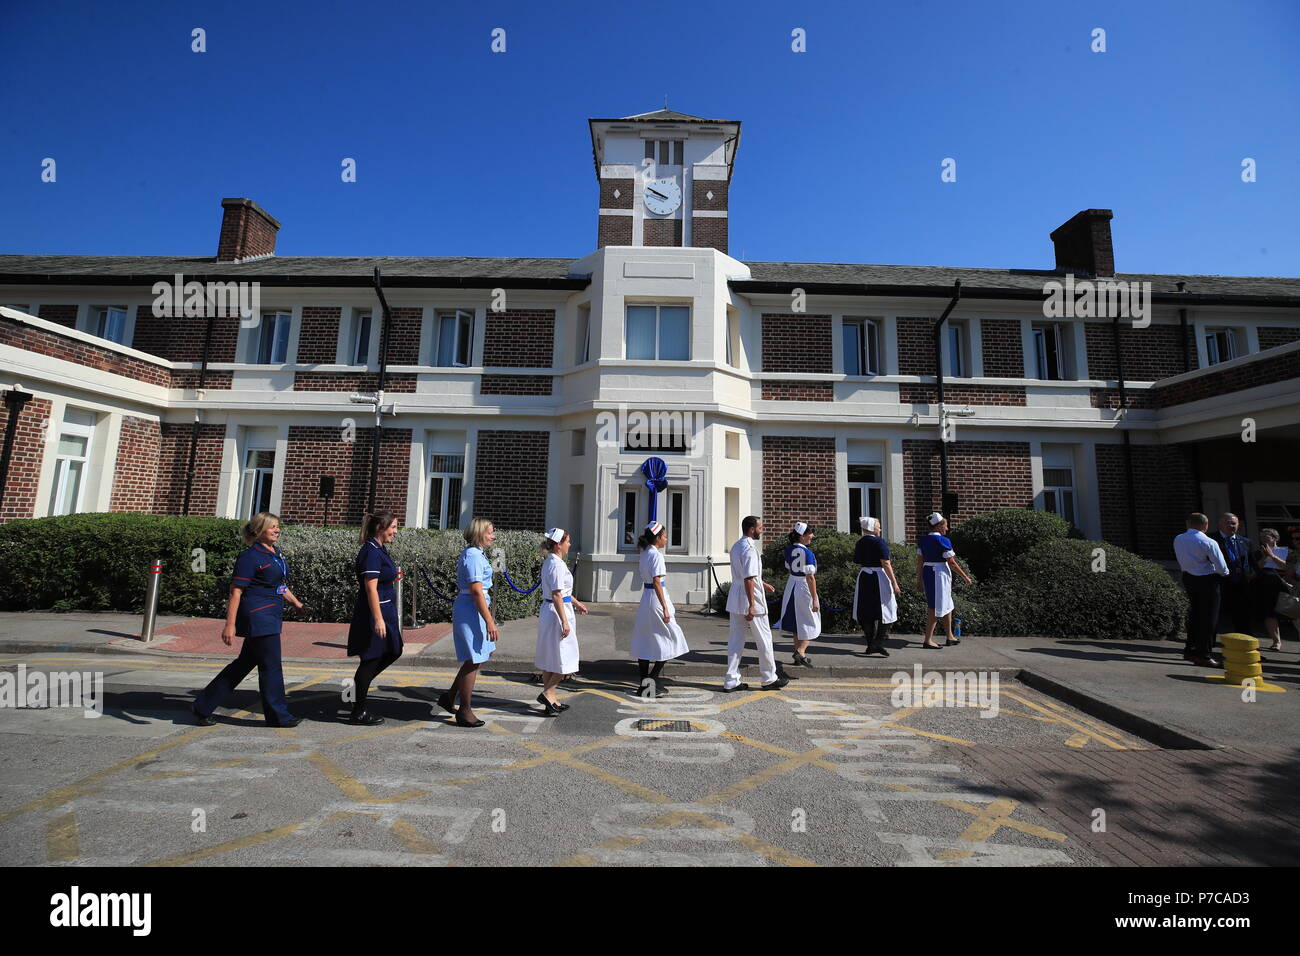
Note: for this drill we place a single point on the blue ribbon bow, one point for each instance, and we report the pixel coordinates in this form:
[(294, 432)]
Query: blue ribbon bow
[(656, 480)]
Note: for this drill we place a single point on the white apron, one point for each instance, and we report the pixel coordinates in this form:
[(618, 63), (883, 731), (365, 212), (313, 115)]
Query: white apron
[(555, 652), (807, 622), (652, 639), (942, 586), (875, 579)]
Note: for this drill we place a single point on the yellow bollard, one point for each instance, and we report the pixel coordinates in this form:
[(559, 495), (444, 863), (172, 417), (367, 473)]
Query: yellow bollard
[(1241, 658)]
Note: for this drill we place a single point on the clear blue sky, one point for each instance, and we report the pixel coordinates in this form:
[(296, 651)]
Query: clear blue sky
[(461, 151)]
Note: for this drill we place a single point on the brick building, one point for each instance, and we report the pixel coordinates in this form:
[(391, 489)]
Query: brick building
[(530, 391)]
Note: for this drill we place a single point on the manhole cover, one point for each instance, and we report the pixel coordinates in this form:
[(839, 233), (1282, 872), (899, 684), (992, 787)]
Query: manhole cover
[(673, 726)]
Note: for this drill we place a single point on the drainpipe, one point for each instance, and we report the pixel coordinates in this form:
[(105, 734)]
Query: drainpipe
[(194, 428), (15, 399), (379, 392), (1130, 504), (938, 379)]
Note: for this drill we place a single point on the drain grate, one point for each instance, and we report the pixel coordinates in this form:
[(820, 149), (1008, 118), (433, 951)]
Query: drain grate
[(673, 726)]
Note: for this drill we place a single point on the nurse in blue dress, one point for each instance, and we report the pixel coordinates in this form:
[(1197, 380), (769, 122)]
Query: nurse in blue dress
[(800, 608), (935, 562), (473, 629), (258, 589), (376, 632)]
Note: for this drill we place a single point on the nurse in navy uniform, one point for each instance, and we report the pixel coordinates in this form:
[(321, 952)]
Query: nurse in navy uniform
[(376, 632), (258, 589), (876, 590), (935, 562), (800, 608)]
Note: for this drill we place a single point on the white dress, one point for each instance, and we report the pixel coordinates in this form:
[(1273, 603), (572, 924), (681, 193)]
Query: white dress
[(652, 639), (555, 652), (797, 616)]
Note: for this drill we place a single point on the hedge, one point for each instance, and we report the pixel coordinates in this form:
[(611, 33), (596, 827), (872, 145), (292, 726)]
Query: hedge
[(989, 542), (99, 562)]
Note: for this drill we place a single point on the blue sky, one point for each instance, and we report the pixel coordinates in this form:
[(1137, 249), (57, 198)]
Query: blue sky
[(461, 151)]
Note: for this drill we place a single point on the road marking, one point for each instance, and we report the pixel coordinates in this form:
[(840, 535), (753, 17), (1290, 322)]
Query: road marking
[(61, 842)]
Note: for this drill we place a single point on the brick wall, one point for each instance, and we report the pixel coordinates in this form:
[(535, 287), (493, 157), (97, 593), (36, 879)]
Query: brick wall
[(915, 346), (55, 345), (1272, 336), (624, 188), (700, 190), (189, 378), (519, 338), (314, 451), (25, 458), (709, 232), (404, 336), (787, 391), (180, 338), (661, 232), (916, 394), (247, 230), (352, 382), (62, 314), (797, 342), (173, 460), (1150, 354), (318, 336), (1164, 493), (985, 474), (1109, 398), (1001, 347), (135, 478), (510, 478), (798, 483), (515, 385), (1264, 371), (614, 231)]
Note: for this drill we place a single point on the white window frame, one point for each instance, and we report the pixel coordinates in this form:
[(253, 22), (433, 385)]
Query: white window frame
[(362, 319), (63, 466), (865, 489), (666, 152), (678, 537), (582, 347), (957, 365), (269, 329), (1233, 337), (658, 330), (463, 341), (99, 322), (254, 480), (868, 345), (637, 494), (444, 518), (1058, 492), (1064, 360)]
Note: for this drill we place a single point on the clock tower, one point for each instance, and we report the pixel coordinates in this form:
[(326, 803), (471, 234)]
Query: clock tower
[(664, 178)]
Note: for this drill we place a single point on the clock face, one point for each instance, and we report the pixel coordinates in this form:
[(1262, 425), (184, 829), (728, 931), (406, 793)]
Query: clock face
[(663, 196)]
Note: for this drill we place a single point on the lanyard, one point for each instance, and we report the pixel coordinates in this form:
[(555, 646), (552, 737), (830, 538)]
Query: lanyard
[(284, 568)]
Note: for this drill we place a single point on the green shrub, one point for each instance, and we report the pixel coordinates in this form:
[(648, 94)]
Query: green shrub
[(100, 562), (988, 542)]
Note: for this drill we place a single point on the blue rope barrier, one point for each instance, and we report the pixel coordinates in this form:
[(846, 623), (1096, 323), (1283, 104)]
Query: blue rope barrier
[(506, 575), (436, 592)]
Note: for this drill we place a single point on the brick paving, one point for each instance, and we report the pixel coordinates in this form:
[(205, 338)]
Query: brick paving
[(298, 640)]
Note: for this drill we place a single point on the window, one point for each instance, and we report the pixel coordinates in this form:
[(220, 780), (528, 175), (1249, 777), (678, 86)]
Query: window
[(668, 152), (270, 344), (733, 337), (629, 497), (1051, 352), (361, 331), (660, 332), (958, 353), (658, 431), (109, 322), (455, 337), (676, 519), (866, 492), (71, 462), (582, 351), (1222, 345), (255, 483), (1058, 492), (733, 446), (579, 446), (446, 478), (861, 347)]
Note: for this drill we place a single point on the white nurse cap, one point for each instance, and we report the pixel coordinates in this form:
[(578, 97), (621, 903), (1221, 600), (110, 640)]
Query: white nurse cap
[(556, 535), (935, 518), (800, 527), (867, 523), (654, 527)]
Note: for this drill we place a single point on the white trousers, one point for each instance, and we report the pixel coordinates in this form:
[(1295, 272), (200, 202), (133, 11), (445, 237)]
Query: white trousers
[(760, 632)]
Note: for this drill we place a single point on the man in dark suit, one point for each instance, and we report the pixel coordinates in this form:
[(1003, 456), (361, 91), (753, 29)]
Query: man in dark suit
[(1234, 590)]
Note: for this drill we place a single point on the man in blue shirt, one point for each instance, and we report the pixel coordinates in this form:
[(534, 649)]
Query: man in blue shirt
[(1202, 565), (1234, 590)]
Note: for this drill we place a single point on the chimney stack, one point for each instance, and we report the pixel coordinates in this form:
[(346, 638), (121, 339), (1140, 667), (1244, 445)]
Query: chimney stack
[(247, 231), (1083, 244)]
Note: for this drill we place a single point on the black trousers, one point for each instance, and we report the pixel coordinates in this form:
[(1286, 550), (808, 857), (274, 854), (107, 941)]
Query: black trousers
[(1202, 612), (1234, 603), (875, 632)]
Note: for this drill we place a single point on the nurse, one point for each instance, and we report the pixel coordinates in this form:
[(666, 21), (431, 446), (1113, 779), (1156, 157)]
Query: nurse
[(473, 629), (376, 632), (656, 636), (876, 590), (935, 563), (557, 633), (800, 609), (258, 589)]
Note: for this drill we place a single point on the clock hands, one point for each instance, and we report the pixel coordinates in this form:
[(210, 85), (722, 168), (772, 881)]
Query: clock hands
[(657, 193)]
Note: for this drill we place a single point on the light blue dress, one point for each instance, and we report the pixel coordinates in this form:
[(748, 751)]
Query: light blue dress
[(468, 629)]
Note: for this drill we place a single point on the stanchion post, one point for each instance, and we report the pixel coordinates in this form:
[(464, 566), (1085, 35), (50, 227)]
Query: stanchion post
[(151, 600), (401, 605), (708, 586)]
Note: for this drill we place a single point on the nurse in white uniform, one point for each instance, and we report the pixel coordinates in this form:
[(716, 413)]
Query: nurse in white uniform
[(656, 637), (935, 562), (747, 605), (800, 609), (557, 631)]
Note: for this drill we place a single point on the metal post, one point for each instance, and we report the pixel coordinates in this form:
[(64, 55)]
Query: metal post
[(708, 585), (151, 600), (401, 607)]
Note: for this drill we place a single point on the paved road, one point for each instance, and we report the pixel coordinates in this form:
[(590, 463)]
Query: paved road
[(826, 772)]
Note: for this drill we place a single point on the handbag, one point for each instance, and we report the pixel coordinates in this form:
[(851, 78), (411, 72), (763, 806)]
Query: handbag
[(1287, 603)]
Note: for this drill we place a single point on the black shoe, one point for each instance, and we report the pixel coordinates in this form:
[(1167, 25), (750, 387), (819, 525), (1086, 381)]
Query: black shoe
[(647, 688), (291, 722), (207, 721), (932, 647), (461, 722), (561, 706), (549, 709), (446, 703), (878, 649), (777, 684), (365, 719), (802, 661), (736, 689)]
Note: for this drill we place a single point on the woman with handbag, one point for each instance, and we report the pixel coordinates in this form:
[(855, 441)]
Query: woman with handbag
[(1271, 591)]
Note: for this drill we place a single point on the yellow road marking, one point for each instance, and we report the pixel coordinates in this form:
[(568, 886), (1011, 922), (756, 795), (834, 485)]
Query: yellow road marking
[(353, 788), (61, 841), (239, 843)]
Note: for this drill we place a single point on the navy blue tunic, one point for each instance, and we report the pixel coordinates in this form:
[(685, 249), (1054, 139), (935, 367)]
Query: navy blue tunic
[(373, 561), (262, 573)]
